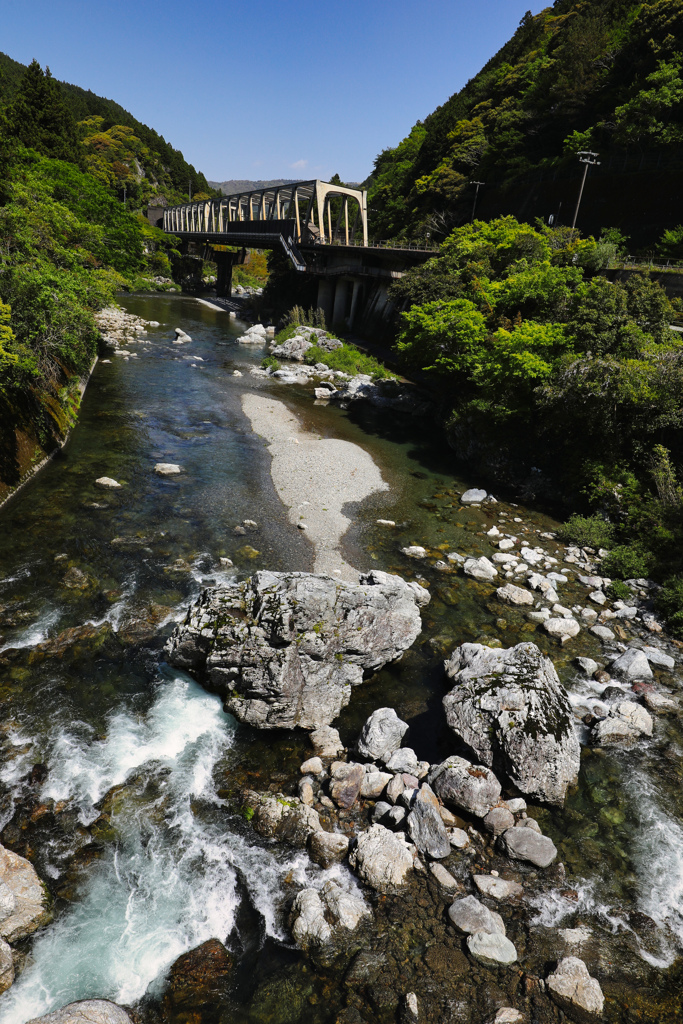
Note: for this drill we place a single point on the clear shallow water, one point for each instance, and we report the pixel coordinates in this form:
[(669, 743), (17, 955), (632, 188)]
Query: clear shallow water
[(140, 760)]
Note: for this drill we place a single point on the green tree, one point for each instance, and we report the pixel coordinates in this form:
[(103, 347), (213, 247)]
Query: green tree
[(40, 119)]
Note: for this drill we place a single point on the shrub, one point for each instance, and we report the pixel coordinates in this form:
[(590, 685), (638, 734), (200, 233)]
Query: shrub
[(588, 531), (619, 591), (270, 363), (669, 602), (348, 359), (627, 562)]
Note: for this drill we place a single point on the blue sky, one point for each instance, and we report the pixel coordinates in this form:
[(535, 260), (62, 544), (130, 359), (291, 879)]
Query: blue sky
[(267, 88)]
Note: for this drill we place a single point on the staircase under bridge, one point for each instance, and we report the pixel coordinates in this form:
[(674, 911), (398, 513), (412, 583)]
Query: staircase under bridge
[(321, 227)]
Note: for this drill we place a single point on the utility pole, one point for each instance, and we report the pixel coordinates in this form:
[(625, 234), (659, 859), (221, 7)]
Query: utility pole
[(476, 196), (588, 159)]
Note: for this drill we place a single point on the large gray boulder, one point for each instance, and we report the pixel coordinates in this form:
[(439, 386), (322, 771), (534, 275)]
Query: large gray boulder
[(467, 787), (381, 735), (284, 649), (88, 1011), (382, 859), (510, 708)]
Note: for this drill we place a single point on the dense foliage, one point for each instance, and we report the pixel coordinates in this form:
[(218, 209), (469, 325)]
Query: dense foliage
[(67, 243), (601, 74), (547, 366)]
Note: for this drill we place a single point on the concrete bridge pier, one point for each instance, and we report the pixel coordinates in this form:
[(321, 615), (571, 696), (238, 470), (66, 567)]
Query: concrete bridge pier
[(326, 298), (339, 308), (355, 301), (223, 274)]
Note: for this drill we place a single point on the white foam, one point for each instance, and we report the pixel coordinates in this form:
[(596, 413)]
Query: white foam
[(36, 632)]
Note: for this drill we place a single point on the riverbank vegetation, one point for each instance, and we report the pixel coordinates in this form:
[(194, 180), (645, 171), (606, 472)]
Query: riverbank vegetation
[(67, 244), (550, 373), (605, 75)]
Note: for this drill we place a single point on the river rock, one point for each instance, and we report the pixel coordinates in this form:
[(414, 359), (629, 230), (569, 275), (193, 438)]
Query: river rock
[(275, 816), (307, 920), (284, 649), (197, 980), (491, 948), (480, 568), (381, 735), (659, 658), (514, 595), (469, 787), (510, 708), (6, 967), (474, 494), (602, 632), (346, 784), (313, 766), (443, 877), (498, 820), (427, 830), (527, 844), (587, 665), (403, 760), (28, 906), (497, 888), (562, 628), (382, 858), (660, 703), (415, 551), (631, 665), (167, 469), (507, 1015), (88, 1011), (107, 481), (625, 724), (572, 988), (327, 848), (374, 784), (469, 916), (326, 742), (294, 348)]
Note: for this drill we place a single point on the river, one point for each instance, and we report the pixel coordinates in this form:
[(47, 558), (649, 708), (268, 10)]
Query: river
[(131, 823)]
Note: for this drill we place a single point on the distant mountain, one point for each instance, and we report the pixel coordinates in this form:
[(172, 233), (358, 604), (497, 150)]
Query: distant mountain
[(230, 187)]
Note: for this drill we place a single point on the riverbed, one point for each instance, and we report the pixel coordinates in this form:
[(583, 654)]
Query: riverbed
[(131, 822)]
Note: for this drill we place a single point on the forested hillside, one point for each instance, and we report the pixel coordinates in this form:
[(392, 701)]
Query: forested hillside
[(68, 242), (594, 74), (119, 147)]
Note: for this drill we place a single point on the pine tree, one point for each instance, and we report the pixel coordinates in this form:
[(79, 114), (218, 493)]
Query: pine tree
[(40, 119)]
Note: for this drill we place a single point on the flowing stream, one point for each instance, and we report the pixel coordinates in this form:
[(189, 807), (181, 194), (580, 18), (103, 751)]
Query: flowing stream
[(130, 822)]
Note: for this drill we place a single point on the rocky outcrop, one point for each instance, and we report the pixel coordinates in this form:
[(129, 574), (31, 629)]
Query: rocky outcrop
[(88, 1011), (382, 859), (284, 649), (510, 708)]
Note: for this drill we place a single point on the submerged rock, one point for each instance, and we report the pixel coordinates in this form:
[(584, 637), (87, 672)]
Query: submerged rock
[(573, 989), (197, 979), (87, 1011), (284, 649), (510, 708), (470, 916)]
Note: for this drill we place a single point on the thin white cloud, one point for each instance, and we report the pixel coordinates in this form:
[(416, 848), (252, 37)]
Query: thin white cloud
[(298, 165)]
